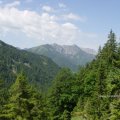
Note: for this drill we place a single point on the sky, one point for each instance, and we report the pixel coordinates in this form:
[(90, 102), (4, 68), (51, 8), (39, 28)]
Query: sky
[(29, 23)]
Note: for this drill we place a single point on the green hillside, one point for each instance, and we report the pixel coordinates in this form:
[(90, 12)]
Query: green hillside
[(39, 69)]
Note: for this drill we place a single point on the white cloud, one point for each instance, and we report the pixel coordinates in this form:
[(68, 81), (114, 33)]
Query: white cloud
[(69, 26), (47, 8), (13, 4), (72, 16), (43, 27), (62, 5)]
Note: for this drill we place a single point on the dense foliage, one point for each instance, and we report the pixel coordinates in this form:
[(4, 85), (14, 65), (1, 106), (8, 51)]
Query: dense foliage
[(100, 97), (93, 93), (24, 102), (62, 97)]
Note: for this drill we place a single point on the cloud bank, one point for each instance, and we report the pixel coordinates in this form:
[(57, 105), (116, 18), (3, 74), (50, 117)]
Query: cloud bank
[(43, 27)]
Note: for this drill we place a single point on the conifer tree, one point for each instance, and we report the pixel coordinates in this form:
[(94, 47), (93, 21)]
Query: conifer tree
[(62, 98), (3, 95), (110, 48), (24, 102)]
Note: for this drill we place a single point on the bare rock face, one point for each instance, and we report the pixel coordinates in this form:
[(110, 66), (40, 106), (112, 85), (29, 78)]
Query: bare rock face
[(67, 49), (90, 51)]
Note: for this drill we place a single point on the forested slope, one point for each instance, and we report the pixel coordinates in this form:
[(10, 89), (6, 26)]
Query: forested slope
[(39, 69)]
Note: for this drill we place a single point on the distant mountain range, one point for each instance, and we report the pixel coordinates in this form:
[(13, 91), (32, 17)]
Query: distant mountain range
[(65, 55), (39, 69)]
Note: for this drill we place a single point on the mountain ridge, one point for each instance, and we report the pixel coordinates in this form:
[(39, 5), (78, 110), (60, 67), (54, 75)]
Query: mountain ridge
[(40, 69), (64, 55)]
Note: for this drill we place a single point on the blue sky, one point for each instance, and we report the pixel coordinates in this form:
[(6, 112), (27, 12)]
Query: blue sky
[(28, 23)]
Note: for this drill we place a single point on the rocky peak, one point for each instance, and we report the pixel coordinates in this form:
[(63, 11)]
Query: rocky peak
[(90, 51), (66, 49)]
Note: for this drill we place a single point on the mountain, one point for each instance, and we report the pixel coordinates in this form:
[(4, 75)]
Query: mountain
[(39, 69), (90, 51), (64, 55)]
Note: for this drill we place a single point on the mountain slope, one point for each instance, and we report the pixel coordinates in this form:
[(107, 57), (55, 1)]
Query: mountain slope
[(38, 68), (64, 55), (89, 51)]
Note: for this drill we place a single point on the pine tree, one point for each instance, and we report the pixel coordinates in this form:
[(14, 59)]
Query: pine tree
[(3, 95), (24, 102), (62, 98), (113, 87), (110, 48)]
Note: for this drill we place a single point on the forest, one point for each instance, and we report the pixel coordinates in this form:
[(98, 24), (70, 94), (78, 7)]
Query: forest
[(92, 93)]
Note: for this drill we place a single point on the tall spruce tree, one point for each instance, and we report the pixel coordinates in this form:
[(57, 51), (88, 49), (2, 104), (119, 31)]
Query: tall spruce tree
[(24, 102), (62, 98), (3, 95), (110, 48)]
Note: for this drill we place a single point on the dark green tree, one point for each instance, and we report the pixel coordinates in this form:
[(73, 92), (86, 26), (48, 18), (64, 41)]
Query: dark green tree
[(108, 52), (24, 102), (3, 95), (63, 97)]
